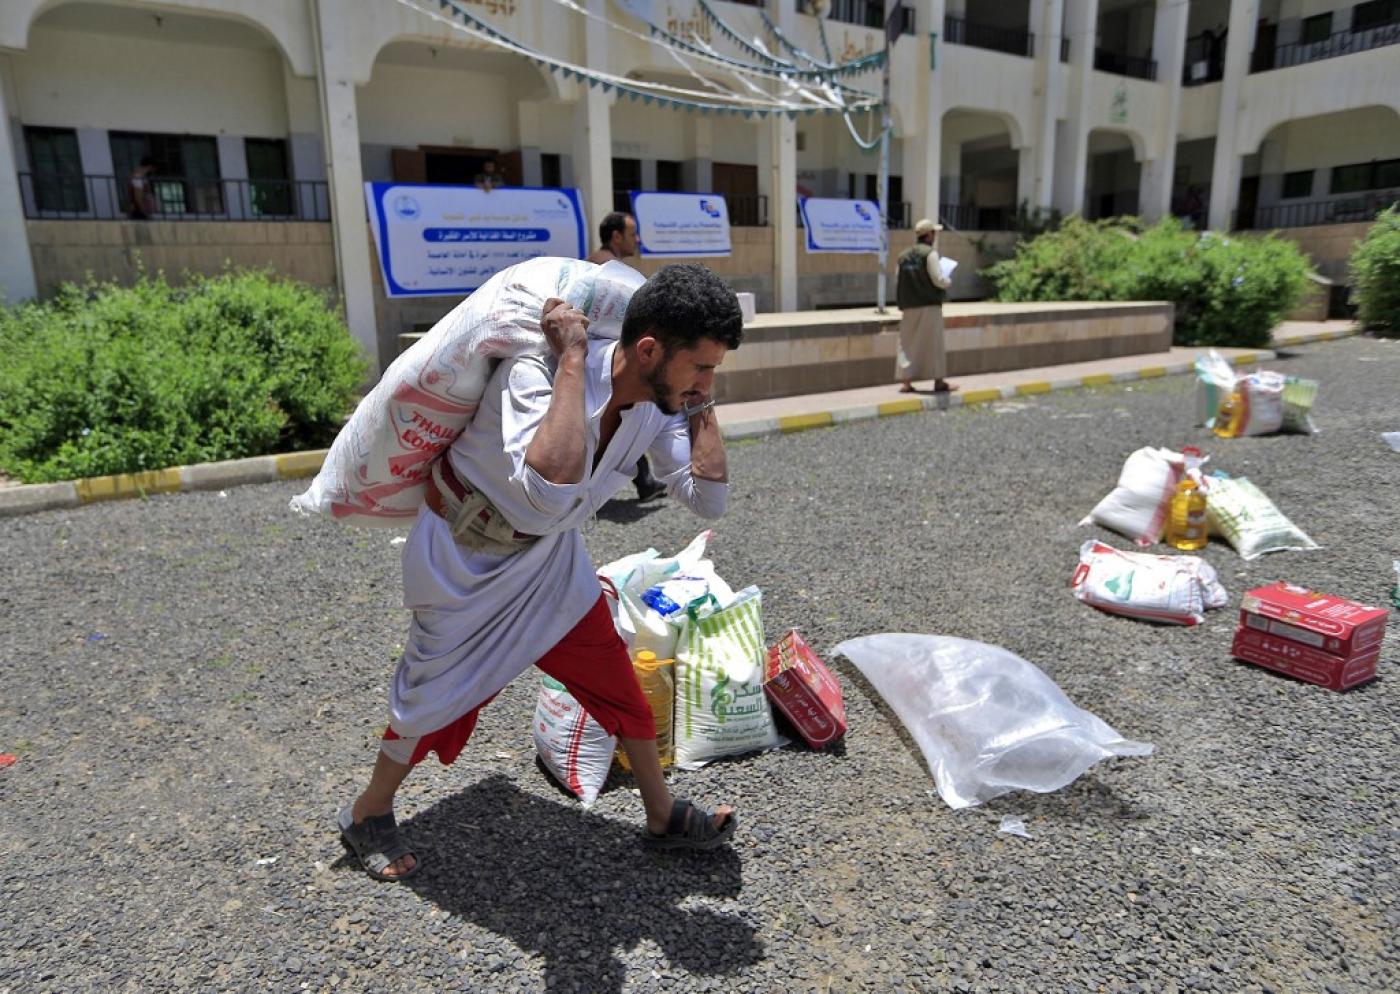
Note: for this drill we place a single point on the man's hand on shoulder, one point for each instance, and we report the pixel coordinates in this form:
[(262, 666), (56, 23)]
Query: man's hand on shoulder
[(564, 326)]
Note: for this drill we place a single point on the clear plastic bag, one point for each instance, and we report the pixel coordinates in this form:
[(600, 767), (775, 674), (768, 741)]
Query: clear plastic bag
[(987, 721)]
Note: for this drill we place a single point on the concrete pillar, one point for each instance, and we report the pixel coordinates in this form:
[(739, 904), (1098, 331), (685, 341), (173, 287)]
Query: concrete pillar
[(1169, 51), (233, 170), (95, 153), (1225, 171), (16, 263), (950, 188), (697, 171), (1025, 176), (1036, 181), (782, 210), (592, 139), (780, 134), (336, 78), (1072, 140), (923, 111)]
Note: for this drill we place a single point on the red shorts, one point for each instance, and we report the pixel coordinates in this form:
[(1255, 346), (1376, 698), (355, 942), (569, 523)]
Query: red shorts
[(592, 663)]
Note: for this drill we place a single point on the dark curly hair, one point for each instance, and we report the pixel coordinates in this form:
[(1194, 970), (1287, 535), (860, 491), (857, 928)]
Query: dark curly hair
[(612, 224), (682, 304)]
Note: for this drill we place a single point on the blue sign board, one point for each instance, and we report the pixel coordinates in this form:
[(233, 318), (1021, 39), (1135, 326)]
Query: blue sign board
[(448, 240)]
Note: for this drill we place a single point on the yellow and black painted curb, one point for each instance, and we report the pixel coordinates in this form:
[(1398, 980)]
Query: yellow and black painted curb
[(297, 465)]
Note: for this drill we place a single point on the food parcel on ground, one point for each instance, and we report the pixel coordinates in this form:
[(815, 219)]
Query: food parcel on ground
[(986, 721)]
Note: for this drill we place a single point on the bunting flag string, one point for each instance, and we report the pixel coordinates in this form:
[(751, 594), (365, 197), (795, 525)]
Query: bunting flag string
[(659, 94)]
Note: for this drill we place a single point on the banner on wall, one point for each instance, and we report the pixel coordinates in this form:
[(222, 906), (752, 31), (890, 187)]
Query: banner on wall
[(681, 223), (448, 240), (841, 225)]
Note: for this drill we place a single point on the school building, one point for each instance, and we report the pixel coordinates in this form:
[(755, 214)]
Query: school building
[(264, 118)]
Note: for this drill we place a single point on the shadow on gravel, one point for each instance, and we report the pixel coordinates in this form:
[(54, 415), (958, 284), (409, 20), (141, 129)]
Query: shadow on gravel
[(626, 512), (573, 887)]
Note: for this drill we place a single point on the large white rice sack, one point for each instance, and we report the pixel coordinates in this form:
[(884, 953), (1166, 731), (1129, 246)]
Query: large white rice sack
[(1138, 506), (378, 466)]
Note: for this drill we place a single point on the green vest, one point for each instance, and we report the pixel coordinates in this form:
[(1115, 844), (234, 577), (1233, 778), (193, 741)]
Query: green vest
[(915, 287)]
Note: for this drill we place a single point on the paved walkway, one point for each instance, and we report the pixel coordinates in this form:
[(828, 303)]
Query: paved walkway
[(759, 417)]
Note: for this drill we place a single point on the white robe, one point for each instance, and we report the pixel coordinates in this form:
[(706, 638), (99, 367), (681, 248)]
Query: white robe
[(480, 620)]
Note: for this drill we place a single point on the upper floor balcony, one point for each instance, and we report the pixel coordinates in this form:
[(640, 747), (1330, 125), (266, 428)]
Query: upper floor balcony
[(959, 31), (1373, 25), (869, 14)]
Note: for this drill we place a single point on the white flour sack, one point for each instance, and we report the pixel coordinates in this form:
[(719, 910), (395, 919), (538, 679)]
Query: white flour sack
[(1170, 589), (573, 747), (1138, 506), (378, 465)]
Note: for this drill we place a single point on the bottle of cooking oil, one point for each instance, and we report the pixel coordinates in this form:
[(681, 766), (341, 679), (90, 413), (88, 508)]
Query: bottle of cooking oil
[(1186, 524), (657, 677), (1227, 421)]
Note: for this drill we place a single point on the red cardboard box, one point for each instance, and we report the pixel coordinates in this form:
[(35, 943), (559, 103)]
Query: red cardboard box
[(1333, 625), (1304, 662), (802, 688)]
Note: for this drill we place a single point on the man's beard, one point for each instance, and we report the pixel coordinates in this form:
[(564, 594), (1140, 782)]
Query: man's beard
[(663, 396)]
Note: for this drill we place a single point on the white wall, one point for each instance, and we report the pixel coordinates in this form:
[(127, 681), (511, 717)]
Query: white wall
[(649, 132), (409, 106), (74, 79), (1338, 139)]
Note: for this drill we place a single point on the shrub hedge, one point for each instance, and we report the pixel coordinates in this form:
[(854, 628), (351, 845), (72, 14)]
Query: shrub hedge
[(107, 379), (1229, 289), (1375, 273)]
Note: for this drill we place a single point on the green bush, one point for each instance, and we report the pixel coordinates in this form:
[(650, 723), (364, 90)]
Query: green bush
[(106, 379), (1228, 289), (1375, 272)]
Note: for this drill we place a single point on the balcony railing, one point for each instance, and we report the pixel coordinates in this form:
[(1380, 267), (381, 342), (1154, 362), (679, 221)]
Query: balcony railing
[(64, 196), (869, 14), (1339, 44), (1205, 60), (972, 217), (1124, 65), (1338, 210), (961, 32)]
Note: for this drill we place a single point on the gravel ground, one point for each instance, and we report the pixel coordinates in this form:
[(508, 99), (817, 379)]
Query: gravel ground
[(194, 683)]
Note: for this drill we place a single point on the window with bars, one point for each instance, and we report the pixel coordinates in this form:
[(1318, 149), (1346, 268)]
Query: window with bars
[(57, 169), (1362, 176), (1375, 14), (269, 176), (1297, 185), (186, 169)]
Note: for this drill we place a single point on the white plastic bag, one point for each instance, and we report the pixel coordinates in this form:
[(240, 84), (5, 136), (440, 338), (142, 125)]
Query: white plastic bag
[(1238, 510), (377, 467), (986, 720), (1270, 401), (627, 579), (1173, 589), (574, 747), (1139, 505), (721, 709)]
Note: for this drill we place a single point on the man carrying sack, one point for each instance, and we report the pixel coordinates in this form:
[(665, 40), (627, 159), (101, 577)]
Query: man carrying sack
[(495, 569), (920, 293)]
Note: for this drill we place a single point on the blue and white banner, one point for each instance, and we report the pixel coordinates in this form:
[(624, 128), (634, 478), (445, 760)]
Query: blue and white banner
[(841, 225), (448, 240), (681, 223)]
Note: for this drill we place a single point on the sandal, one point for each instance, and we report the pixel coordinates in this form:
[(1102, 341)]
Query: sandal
[(375, 842), (691, 827)]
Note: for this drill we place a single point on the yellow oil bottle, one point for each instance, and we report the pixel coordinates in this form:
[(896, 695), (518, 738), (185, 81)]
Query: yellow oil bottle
[(1227, 421), (1186, 524), (658, 680)]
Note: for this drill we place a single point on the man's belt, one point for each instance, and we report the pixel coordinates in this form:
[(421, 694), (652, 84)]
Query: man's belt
[(475, 522)]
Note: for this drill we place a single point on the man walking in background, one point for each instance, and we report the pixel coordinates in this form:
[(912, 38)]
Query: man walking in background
[(617, 236), (920, 293)]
